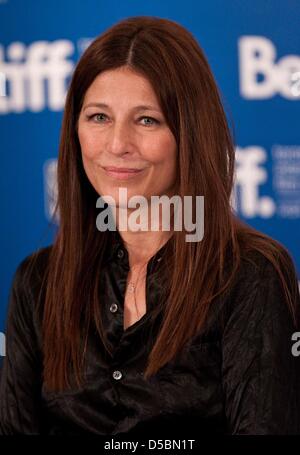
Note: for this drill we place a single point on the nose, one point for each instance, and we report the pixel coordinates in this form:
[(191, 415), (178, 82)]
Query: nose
[(120, 139)]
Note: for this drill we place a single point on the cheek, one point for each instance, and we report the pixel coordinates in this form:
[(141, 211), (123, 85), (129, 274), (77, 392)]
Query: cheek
[(88, 152), (168, 157), (165, 160), (88, 144), (162, 151)]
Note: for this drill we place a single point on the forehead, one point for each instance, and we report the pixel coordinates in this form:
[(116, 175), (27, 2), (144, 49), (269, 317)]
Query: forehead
[(121, 84)]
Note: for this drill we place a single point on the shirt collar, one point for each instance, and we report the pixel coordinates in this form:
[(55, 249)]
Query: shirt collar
[(116, 249)]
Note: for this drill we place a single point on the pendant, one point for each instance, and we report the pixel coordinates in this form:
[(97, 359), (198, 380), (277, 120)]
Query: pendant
[(131, 287)]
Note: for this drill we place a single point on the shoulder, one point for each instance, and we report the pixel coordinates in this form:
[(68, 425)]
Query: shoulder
[(27, 283), (23, 317), (36, 262), (30, 272), (265, 286), (23, 327), (257, 267)]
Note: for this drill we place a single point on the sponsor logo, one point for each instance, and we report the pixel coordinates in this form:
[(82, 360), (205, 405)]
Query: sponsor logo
[(50, 189), (2, 344), (261, 76), (286, 179), (2, 84)]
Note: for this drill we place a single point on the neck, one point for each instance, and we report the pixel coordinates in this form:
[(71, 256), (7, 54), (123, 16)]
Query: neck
[(141, 244)]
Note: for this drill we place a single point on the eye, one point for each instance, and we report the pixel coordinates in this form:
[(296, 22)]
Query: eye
[(96, 117), (100, 116), (153, 120)]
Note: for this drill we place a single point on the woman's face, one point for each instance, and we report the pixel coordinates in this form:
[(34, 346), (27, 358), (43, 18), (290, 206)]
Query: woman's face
[(125, 141)]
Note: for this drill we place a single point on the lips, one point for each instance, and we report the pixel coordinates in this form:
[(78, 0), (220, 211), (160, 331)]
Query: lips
[(121, 173), (121, 169)]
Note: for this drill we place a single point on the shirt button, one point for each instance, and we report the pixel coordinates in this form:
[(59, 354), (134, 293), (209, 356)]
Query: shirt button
[(117, 375), (113, 307), (120, 253)]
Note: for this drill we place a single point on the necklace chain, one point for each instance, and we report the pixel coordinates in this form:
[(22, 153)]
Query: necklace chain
[(132, 287)]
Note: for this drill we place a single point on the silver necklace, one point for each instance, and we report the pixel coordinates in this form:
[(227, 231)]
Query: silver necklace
[(132, 287)]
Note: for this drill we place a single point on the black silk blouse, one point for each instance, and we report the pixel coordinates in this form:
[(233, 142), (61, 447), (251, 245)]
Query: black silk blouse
[(238, 377)]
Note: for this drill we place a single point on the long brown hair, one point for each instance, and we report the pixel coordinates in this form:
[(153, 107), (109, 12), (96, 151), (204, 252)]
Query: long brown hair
[(169, 56)]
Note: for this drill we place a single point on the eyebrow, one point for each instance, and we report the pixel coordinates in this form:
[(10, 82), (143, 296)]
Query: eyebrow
[(141, 107)]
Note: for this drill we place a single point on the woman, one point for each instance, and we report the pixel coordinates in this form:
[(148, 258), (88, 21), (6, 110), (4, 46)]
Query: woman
[(141, 331)]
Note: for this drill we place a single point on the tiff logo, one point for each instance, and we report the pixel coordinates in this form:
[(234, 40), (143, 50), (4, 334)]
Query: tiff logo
[(36, 75), (250, 175)]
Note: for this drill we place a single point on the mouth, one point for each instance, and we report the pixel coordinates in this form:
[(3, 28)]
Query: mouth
[(122, 173)]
